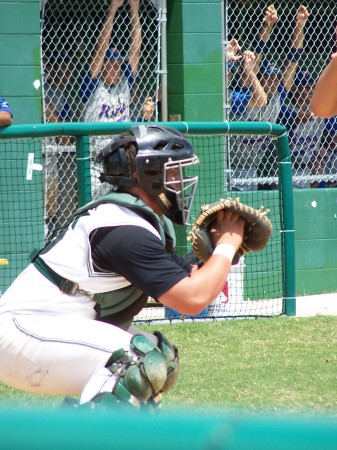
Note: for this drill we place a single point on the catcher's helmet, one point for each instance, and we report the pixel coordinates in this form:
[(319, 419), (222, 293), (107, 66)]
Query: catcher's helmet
[(162, 155)]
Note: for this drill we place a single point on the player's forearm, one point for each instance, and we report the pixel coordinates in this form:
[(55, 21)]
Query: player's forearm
[(260, 43), (265, 31), (294, 55), (259, 97), (192, 294), (136, 35), (107, 25), (289, 74), (102, 45), (298, 36), (296, 47), (324, 98)]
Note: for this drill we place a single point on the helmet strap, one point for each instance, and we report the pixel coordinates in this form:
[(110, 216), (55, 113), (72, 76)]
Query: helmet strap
[(117, 180)]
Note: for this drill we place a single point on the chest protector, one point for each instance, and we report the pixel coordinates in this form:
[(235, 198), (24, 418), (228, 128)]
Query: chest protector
[(112, 292)]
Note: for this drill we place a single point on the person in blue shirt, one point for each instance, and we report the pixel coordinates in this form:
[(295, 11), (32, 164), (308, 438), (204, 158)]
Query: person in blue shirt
[(57, 75), (245, 94), (6, 115), (276, 84), (328, 152), (305, 130), (269, 74), (248, 92)]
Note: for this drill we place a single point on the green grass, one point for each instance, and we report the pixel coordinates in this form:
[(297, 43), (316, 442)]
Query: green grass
[(275, 364)]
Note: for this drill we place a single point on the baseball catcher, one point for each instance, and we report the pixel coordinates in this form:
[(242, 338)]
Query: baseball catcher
[(66, 321)]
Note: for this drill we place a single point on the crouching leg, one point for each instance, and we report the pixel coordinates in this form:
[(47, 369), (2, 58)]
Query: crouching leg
[(137, 375)]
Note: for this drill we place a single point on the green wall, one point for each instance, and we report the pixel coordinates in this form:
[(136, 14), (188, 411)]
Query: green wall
[(316, 240), (19, 69), (315, 244), (195, 60), (20, 58)]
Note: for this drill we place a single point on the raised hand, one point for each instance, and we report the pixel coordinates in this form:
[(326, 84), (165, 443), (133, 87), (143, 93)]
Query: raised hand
[(148, 109), (248, 61), (302, 15), (232, 49), (134, 4), (271, 16), (117, 3)]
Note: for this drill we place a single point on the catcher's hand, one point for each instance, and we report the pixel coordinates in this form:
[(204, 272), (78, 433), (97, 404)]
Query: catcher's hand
[(257, 229)]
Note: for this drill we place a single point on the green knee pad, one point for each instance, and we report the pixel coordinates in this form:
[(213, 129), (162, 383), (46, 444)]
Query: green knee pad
[(170, 353), (142, 377)]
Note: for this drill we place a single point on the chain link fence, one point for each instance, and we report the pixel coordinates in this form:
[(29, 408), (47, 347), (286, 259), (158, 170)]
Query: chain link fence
[(85, 46), (70, 36), (291, 43), (256, 286)]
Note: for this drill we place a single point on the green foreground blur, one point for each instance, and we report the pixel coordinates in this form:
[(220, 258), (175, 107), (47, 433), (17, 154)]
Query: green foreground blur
[(124, 429)]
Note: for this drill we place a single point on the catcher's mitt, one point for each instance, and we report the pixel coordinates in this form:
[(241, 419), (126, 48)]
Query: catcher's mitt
[(257, 230)]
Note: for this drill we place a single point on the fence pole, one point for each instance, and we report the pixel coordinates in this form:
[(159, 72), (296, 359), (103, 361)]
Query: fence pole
[(288, 232), (83, 169)]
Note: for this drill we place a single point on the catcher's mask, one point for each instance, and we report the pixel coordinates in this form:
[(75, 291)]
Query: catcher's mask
[(163, 154)]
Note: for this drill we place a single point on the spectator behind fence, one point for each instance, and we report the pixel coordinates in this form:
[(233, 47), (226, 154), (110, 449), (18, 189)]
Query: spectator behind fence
[(6, 115), (262, 160), (56, 75), (57, 70), (305, 131), (65, 322), (108, 83), (273, 83), (329, 150), (324, 98), (57, 95), (246, 93)]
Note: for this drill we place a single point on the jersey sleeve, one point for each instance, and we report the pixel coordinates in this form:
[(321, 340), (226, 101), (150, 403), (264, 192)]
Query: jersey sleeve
[(283, 92), (4, 106), (287, 117), (240, 100), (139, 256), (88, 85), (126, 68)]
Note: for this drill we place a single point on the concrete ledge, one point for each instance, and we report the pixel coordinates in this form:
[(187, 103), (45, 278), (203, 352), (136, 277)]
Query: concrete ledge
[(313, 305)]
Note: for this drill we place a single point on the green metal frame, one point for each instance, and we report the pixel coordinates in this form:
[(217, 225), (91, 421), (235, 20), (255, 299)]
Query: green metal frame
[(82, 131)]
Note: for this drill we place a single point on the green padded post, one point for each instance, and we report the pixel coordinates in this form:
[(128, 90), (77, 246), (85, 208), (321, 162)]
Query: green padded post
[(83, 169), (287, 205)]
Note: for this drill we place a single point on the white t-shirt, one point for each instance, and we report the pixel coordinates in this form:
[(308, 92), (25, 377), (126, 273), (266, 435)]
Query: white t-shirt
[(109, 103), (104, 103)]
